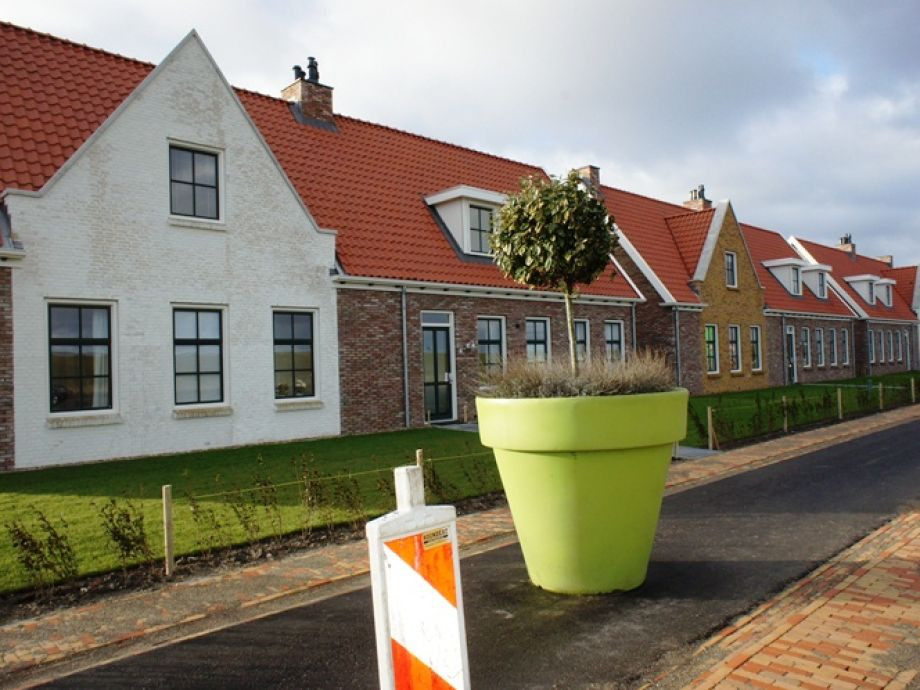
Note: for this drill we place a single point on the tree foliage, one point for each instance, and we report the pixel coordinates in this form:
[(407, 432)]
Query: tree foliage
[(554, 235)]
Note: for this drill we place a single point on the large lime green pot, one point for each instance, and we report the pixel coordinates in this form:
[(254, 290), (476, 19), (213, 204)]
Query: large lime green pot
[(584, 479)]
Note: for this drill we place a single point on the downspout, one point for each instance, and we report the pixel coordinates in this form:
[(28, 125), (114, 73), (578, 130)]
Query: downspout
[(677, 344), (632, 308), (783, 337), (405, 349), (870, 334)]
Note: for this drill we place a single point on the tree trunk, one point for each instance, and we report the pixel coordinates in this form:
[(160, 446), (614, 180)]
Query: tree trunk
[(570, 323)]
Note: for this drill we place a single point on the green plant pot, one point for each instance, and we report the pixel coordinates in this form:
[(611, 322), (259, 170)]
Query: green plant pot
[(584, 479)]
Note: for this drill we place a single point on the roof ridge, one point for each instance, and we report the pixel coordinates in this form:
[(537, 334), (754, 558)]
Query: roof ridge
[(77, 44), (414, 135), (689, 212), (864, 257), (642, 196)]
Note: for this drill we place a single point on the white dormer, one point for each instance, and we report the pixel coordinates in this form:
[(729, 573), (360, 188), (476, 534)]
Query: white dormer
[(870, 287), (788, 272), (815, 277), (470, 214)]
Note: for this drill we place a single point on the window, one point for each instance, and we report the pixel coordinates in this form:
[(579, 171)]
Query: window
[(480, 229), (806, 348), (198, 353), (819, 346), (756, 357), (832, 345), (613, 340), (712, 348), (294, 368), (890, 346), (845, 345), (734, 347), (80, 347), (822, 285), (193, 183), (900, 348), (871, 293), (796, 280), (581, 340), (537, 334), (881, 346), (886, 291), (731, 272), (491, 351), (871, 346)]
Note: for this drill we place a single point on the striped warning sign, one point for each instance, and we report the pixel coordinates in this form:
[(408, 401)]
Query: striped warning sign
[(423, 619)]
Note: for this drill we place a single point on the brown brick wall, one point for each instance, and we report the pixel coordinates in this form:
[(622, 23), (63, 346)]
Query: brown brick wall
[(740, 306), (370, 342), (7, 439), (828, 372), (892, 364)]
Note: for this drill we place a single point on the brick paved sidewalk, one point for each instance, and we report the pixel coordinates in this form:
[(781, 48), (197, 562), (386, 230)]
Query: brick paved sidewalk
[(852, 623), (173, 610)]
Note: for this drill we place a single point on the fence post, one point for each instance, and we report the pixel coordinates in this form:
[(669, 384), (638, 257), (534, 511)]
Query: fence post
[(420, 457), (168, 530), (839, 403), (881, 398), (785, 417), (913, 390), (709, 429)]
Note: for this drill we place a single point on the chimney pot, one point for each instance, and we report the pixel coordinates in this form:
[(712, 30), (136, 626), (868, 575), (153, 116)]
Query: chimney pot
[(698, 200), (312, 98), (846, 244), (313, 69), (298, 72)]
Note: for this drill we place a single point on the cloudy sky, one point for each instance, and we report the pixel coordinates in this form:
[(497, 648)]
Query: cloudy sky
[(805, 115)]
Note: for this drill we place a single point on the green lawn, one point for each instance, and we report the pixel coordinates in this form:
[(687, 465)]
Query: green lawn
[(749, 414), (230, 507)]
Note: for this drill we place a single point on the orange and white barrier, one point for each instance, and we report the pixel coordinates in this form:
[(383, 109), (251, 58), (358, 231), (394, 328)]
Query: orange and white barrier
[(418, 605)]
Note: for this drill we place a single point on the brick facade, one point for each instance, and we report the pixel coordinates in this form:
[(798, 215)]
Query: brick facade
[(370, 332), (740, 306), (846, 367), (895, 359), (7, 438)]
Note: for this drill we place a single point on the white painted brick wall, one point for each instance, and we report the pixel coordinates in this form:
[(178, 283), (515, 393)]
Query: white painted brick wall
[(101, 231)]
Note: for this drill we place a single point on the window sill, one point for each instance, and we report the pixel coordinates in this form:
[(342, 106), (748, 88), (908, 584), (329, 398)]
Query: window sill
[(201, 412), (197, 223), (713, 374), (757, 372), (74, 421), (291, 405), (737, 373)]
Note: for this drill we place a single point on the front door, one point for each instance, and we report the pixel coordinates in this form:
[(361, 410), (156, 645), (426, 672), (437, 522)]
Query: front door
[(439, 380), (791, 374)]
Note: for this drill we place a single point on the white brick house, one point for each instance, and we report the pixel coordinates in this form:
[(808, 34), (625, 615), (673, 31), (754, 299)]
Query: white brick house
[(170, 290)]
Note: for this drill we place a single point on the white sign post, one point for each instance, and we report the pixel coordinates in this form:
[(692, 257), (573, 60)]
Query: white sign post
[(418, 605)]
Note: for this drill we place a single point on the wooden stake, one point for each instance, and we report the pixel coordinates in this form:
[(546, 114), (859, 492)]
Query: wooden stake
[(913, 390), (881, 398), (785, 417), (711, 430), (466, 413), (839, 403), (168, 530), (420, 457)]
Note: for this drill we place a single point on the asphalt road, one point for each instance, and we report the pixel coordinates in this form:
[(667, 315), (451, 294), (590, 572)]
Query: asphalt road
[(720, 549)]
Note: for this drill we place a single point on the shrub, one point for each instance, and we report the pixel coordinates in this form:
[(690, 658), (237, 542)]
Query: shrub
[(44, 552), (124, 525)]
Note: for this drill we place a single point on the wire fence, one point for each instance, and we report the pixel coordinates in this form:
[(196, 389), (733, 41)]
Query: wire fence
[(745, 419)]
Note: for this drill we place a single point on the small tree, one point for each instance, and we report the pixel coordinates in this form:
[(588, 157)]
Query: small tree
[(554, 235)]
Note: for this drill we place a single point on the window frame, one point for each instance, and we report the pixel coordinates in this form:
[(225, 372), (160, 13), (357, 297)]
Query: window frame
[(502, 346), (222, 353), (587, 340), (881, 346), (797, 280), (871, 352), (547, 342), (293, 342), (819, 347), (483, 234), (608, 349), (110, 342), (822, 285), (218, 187), (845, 346), (871, 292), (711, 349), (805, 340), (900, 347), (832, 342), (734, 349), (731, 266), (756, 349), (890, 346)]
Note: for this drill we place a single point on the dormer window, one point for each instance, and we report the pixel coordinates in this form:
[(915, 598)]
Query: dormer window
[(822, 285), (796, 280), (480, 229), (792, 273), (869, 287), (871, 293)]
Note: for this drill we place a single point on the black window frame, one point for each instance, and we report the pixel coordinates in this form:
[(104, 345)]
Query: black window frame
[(479, 235), (79, 342), (582, 345), (536, 341), (490, 342), (612, 344), (193, 184), (198, 342), (293, 342), (734, 348), (711, 346), (796, 280), (731, 269), (805, 340), (756, 351), (820, 358)]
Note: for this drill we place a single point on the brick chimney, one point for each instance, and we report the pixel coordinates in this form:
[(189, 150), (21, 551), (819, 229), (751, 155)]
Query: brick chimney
[(846, 244), (591, 174), (698, 200), (314, 99)]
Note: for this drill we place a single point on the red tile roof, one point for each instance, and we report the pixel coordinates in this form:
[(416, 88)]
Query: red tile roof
[(906, 277), (366, 181), (644, 222), (846, 264), (689, 231), (766, 245)]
